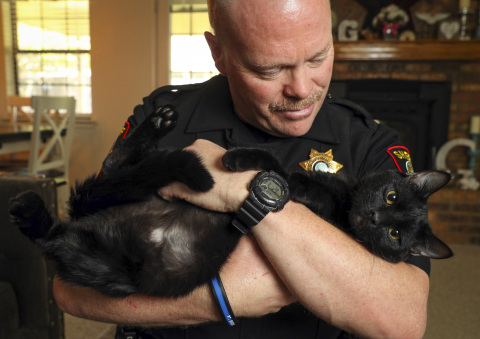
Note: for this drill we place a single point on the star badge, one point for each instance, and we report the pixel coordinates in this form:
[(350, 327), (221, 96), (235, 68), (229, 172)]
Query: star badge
[(321, 162)]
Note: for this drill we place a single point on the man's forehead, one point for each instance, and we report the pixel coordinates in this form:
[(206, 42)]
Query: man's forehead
[(261, 61), (271, 21), (252, 10), (264, 37)]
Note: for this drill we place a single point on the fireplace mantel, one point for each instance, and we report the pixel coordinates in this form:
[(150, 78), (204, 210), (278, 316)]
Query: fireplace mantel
[(420, 50)]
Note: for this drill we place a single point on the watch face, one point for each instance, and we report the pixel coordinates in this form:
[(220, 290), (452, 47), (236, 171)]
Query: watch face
[(271, 189)]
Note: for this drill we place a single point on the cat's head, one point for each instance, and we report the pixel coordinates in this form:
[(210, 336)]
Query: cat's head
[(390, 214)]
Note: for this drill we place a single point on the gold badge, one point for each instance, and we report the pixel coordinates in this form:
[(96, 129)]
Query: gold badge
[(321, 162)]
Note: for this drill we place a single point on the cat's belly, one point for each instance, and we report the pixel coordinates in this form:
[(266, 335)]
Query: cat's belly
[(179, 245)]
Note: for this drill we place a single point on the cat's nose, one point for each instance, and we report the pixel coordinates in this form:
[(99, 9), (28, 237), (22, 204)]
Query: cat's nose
[(374, 217)]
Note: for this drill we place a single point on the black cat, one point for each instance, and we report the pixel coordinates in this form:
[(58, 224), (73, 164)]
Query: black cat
[(122, 238)]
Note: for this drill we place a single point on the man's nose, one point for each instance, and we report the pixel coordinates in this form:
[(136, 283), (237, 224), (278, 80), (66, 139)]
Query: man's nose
[(299, 84)]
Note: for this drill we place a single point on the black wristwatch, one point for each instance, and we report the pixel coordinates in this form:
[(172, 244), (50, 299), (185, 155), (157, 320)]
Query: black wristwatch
[(268, 192)]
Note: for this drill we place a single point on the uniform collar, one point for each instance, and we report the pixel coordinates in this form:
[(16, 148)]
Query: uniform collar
[(214, 111), (214, 107)]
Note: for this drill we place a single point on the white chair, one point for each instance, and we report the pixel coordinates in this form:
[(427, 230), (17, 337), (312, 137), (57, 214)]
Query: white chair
[(51, 156), (16, 109)]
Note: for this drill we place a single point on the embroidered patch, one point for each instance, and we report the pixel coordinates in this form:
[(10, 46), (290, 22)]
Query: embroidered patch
[(321, 162), (125, 129), (123, 133), (402, 159)]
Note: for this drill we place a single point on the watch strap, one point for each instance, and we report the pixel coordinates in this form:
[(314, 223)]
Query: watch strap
[(250, 214)]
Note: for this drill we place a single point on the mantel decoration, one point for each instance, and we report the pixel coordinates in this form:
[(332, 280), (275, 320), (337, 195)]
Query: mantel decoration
[(449, 29), (389, 21), (468, 181), (467, 20), (405, 19), (427, 15), (348, 18)]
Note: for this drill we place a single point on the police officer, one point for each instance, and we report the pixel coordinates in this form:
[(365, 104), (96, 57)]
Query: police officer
[(299, 277)]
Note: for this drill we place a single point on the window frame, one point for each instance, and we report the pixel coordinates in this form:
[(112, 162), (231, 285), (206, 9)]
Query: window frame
[(14, 78), (189, 7)]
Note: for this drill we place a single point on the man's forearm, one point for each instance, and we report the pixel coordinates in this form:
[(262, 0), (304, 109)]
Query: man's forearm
[(138, 310), (339, 280), (252, 286)]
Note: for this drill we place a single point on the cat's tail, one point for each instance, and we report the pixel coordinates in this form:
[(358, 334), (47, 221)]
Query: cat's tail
[(29, 213)]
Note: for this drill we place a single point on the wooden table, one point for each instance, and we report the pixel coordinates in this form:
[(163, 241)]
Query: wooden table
[(16, 138)]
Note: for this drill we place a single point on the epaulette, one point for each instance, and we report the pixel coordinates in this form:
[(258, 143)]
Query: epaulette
[(167, 94), (161, 96), (357, 109)]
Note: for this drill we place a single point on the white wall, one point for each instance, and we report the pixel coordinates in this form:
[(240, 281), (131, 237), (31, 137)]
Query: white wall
[(129, 59)]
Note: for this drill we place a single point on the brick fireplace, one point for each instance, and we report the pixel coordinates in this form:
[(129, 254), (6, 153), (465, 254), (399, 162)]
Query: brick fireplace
[(454, 213)]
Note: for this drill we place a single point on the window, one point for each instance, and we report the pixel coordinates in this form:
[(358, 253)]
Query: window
[(51, 49), (190, 57)]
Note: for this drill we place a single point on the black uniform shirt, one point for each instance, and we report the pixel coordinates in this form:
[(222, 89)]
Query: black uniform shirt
[(206, 112)]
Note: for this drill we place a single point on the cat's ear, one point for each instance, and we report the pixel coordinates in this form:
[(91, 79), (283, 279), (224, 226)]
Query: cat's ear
[(433, 248), (430, 181)]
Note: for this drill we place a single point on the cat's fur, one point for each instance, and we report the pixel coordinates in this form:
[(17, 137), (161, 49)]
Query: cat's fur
[(122, 238)]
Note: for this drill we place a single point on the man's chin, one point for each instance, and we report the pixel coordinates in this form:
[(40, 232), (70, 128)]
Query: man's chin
[(297, 123), (292, 129)]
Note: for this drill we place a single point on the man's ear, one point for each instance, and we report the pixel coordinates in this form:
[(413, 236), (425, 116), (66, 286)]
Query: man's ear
[(216, 51)]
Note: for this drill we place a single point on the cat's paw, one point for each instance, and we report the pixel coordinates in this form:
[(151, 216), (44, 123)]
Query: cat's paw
[(229, 160), (25, 207), (28, 211), (163, 119)]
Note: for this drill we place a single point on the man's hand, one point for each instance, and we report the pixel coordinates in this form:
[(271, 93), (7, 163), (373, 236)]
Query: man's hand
[(252, 286), (230, 189)]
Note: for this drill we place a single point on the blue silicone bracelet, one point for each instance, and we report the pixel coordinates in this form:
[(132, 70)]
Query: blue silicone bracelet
[(221, 300)]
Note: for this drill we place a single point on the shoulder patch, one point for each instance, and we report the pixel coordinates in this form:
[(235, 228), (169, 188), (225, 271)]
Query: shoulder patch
[(402, 159), (125, 130), (123, 133)]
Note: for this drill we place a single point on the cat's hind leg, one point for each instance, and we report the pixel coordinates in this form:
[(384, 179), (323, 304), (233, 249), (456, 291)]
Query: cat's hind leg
[(139, 182), (142, 139), (28, 211), (242, 159)]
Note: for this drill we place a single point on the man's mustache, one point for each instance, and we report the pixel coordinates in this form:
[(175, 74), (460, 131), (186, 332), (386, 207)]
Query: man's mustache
[(295, 105)]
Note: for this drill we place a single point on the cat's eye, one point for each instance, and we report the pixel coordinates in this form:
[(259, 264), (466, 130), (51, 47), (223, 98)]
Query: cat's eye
[(391, 197), (394, 233)]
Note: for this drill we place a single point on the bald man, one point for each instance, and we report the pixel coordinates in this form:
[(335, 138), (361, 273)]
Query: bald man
[(298, 276)]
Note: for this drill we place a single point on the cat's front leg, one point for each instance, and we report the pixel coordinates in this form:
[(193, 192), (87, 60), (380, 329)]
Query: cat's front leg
[(307, 190), (142, 139), (242, 159)]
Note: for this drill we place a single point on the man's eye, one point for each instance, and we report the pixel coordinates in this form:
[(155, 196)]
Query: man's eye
[(316, 62), (269, 74)]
